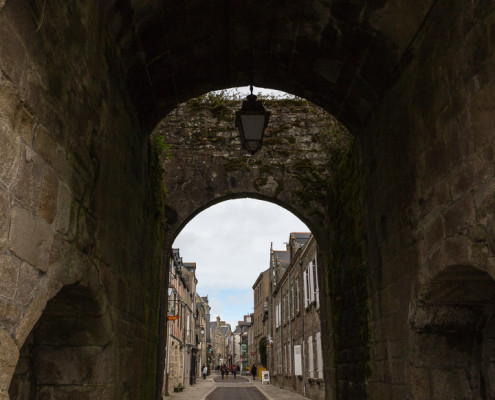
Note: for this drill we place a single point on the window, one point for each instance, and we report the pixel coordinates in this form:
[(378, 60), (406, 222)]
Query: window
[(311, 282), (319, 358), (290, 358), (297, 360), (311, 357), (306, 289), (288, 304), (283, 309), (317, 288), (311, 287), (292, 301), (297, 294), (285, 358)]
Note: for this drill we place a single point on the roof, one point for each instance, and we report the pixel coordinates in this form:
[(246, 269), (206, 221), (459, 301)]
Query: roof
[(191, 266), (283, 256), (301, 237), (225, 330)]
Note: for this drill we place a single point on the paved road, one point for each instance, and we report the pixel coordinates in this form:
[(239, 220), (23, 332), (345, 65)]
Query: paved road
[(230, 379), (237, 393), (242, 388)]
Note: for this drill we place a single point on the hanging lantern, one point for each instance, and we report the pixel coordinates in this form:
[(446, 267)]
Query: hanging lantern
[(251, 121)]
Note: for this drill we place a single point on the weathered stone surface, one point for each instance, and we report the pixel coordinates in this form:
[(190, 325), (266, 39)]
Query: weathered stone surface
[(24, 125), (9, 100), (10, 313), (412, 80), (70, 365), (290, 169), (27, 188), (9, 354), (9, 274), (48, 196), (63, 211), (30, 238), (10, 149), (4, 218), (29, 277)]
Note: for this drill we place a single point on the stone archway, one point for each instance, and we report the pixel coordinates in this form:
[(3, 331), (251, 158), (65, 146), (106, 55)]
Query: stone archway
[(204, 164), (69, 352), (82, 84)]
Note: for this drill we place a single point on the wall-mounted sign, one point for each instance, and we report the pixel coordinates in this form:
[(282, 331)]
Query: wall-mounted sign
[(173, 317)]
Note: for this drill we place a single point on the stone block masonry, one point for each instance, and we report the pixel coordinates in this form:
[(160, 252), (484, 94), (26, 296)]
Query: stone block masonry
[(405, 224)]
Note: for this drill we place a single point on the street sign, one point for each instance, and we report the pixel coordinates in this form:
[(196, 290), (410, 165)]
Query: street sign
[(173, 317), (265, 377)]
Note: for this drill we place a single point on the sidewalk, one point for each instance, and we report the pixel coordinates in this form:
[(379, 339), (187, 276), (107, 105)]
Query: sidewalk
[(203, 388)]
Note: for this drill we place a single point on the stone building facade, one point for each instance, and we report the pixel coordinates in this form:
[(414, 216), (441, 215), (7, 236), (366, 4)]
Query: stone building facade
[(260, 323), (188, 313), (296, 358), (202, 323), (220, 331), (244, 326)]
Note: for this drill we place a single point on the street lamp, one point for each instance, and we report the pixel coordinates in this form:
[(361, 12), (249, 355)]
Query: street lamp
[(251, 121)]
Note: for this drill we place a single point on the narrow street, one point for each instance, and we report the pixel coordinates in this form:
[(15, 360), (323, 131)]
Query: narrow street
[(238, 393), (241, 388)]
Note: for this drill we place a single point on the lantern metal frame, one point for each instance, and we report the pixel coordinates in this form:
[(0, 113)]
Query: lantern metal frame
[(251, 107)]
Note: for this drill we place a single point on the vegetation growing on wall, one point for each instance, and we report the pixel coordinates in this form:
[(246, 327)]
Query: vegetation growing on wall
[(308, 161)]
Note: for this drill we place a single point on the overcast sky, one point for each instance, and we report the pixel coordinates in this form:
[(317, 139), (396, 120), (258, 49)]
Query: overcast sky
[(230, 243)]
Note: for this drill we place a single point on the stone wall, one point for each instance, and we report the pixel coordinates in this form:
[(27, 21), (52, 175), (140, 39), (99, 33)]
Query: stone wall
[(428, 157), (409, 255), (79, 215), (206, 164)]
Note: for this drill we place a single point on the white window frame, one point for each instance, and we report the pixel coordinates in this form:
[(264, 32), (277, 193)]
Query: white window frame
[(292, 300), (317, 286), (319, 356), (306, 289), (311, 282), (297, 295), (297, 360), (311, 357), (285, 358), (290, 358)]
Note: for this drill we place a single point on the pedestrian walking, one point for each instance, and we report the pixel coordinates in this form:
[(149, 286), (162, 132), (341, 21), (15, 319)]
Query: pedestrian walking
[(253, 371), (205, 371), (234, 370), (222, 371)]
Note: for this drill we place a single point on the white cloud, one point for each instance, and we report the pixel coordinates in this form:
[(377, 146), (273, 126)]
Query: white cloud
[(230, 243)]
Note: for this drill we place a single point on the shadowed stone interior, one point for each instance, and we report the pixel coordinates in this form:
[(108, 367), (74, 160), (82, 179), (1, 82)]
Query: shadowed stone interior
[(409, 214)]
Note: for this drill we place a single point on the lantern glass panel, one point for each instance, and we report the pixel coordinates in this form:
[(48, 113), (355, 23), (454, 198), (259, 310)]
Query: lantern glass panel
[(253, 126)]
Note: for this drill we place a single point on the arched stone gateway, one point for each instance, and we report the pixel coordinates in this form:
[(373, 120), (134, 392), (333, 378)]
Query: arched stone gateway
[(204, 162), (82, 85)]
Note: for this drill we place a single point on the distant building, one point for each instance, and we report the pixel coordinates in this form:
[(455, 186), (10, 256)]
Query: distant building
[(188, 315), (261, 289), (294, 330), (219, 332)]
